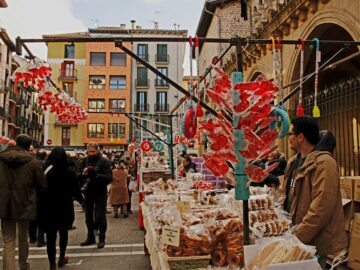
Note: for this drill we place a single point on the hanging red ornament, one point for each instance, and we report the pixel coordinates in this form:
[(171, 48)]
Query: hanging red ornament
[(199, 111)]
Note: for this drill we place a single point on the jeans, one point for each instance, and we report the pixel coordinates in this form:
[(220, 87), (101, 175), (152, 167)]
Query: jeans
[(97, 217), (8, 228)]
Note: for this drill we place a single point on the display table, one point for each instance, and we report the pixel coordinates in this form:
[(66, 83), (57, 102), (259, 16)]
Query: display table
[(157, 257)]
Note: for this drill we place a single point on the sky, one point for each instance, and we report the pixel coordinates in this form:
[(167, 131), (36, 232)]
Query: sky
[(33, 18)]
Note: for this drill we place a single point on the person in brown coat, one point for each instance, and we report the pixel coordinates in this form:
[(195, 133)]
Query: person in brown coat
[(313, 191), (119, 196)]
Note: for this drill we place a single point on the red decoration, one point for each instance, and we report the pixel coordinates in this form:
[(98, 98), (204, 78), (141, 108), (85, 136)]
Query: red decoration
[(146, 146), (190, 123)]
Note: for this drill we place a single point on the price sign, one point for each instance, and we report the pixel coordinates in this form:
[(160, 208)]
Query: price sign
[(170, 236)]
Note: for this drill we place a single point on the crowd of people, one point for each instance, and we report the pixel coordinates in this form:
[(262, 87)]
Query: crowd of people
[(37, 193), (35, 186)]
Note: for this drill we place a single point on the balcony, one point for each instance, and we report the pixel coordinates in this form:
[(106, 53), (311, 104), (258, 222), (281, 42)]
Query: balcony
[(141, 107), (19, 101), (142, 83), (144, 56), (95, 135), (68, 74), (12, 97), (160, 83), (161, 107), (66, 124), (162, 58), (117, 110), (20, 121)]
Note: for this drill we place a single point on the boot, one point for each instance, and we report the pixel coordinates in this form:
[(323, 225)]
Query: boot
[(52, 267), (62, 261), (88, 242), (101, 243)]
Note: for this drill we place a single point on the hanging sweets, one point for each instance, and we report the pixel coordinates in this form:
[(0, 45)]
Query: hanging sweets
[(316, 110), (300, 108)]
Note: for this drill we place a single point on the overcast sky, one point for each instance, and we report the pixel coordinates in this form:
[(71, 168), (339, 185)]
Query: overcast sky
[(33, 18)]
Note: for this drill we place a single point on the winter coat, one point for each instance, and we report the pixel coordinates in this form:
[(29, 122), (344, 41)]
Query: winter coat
[(22, 183), (98, 178), (58, 210), (119, 194), (316, 207)]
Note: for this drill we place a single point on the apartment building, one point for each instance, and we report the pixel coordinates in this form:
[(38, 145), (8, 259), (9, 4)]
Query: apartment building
[(68, 62)]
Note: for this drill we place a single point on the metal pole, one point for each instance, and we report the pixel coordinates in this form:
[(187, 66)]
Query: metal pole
[(164, 77), (172, 165)]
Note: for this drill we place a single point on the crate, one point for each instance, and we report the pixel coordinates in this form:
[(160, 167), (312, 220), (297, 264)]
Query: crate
[(186, 263)]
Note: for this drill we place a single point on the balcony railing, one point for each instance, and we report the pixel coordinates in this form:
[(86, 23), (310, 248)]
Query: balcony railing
[(161, 83), (144, 56), (96, 86), (12, 96), (141, 107), (95, 135), (142, 83), (117, 110), (57, 123), (2, 112), (20, 121), (161, 107), (68, 74), (118, 86), (2, 86), (162, 58), (19, 100)]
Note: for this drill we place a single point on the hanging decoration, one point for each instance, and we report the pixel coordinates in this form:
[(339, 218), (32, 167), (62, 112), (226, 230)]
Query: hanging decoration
[(316, 110), (189, 122), (36, 74), (300, 107), (146, 146), (254, 115), (158, 146)]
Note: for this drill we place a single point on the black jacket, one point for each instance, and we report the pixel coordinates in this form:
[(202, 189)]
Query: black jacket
[(98, 178)]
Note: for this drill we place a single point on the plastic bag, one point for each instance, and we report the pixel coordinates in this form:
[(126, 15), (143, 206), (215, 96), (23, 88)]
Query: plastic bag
[(133, 186)]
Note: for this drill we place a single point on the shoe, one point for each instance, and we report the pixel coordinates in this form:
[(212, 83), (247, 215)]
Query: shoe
[(101, 244), (41, 244), (32, 241), (126, 215), (52, 267), (62, 261), (88, 242)]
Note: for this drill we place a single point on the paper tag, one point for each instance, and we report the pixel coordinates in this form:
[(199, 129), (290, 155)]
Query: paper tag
[(183, 206), (208, 199), (318, 56), (170, 236)]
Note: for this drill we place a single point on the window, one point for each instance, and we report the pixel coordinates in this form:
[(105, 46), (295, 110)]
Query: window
[(117, 59), (69, 51), (116, 130), (161, 53), (69, 88), (96, 82), (142, 52), (161, 102), (142, 76), (141, 102), (159, 81), (67, 69), (65, 136), (96, 130), (96, 105), (117, 82), (97, 59), (117, 105)]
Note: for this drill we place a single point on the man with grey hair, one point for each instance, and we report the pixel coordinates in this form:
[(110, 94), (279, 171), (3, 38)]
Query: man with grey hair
[(22, 182), (95, 175)]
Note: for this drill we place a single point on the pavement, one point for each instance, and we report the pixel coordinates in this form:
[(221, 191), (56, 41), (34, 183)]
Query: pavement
[(124, 249)]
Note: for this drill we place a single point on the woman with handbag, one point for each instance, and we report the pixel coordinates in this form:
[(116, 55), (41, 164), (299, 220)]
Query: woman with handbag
[(119, 196), (58, 208)]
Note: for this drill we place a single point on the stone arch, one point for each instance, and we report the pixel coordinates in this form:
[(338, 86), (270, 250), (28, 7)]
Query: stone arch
[(328, 16)]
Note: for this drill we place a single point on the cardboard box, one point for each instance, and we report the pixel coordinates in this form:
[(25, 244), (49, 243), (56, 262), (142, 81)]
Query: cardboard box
[(348, 213), (251, 251), (354, 248), (347, 187), (357, 190)]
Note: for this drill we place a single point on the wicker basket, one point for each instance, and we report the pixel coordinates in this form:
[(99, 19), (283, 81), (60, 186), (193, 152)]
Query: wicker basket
[(186, 263)]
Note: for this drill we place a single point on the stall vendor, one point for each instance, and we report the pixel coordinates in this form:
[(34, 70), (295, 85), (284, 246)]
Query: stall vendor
[(188, 166)]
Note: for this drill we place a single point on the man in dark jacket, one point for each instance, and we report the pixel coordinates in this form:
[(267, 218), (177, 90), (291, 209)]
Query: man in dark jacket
[(22, 181), (96, 175)]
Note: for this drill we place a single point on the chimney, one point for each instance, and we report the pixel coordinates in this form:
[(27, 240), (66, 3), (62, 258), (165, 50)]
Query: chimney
[(156, 25), (123, 26), (133, 24)]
